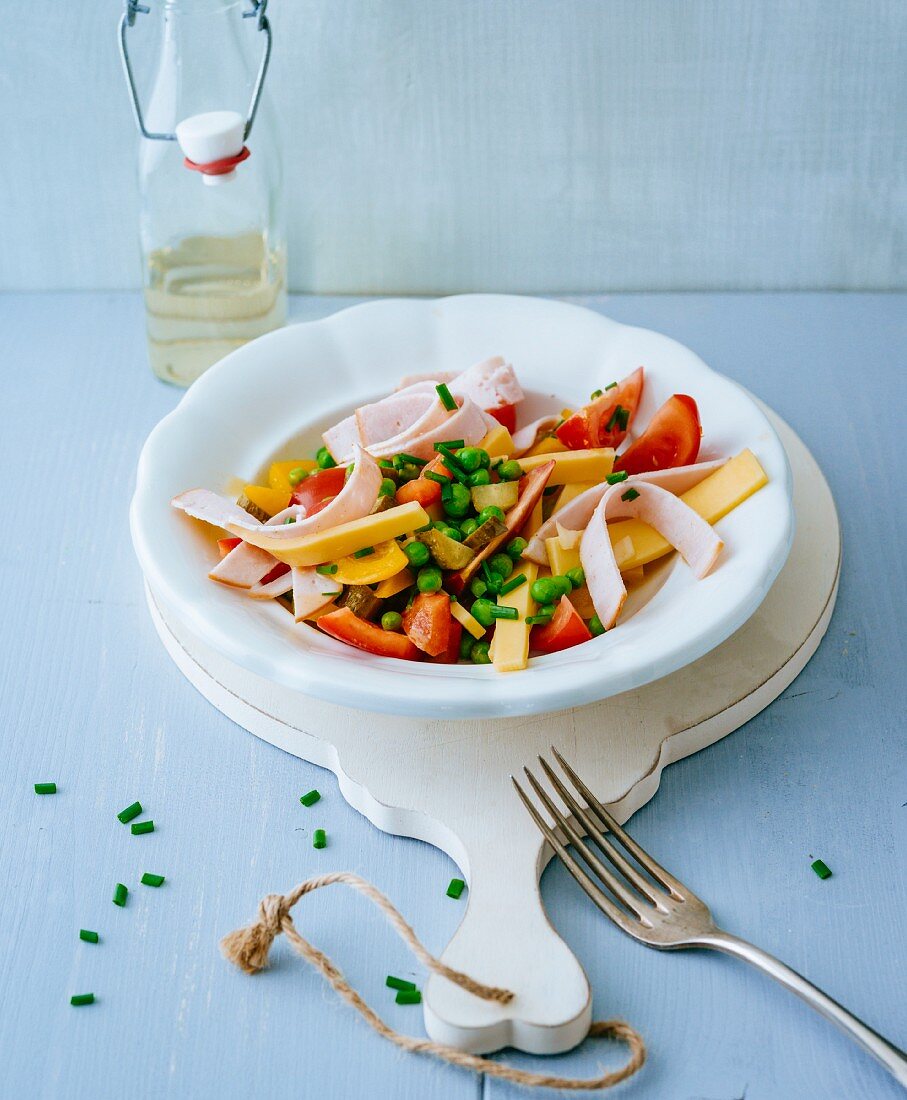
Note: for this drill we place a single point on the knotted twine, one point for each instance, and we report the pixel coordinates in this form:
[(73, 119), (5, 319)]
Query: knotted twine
[(248, 949)]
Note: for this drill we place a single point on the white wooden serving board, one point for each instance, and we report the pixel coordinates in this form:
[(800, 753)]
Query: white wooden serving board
[(448, 782)]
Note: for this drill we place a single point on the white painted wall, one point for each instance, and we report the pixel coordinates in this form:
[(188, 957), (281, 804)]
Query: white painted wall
[(442, 145)]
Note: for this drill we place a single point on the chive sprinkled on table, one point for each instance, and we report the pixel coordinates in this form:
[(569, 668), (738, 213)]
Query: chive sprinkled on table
[(320, 839), (446, 396), (120, 894), (82, 999), (456, 888), (310, 798), (45, 788), (140, 827), (149, 879), (821, 869), (408, 997), (130, 812), (398, 983), (88, 936)]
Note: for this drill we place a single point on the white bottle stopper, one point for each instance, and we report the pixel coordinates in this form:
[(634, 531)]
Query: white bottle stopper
[(209, 137)]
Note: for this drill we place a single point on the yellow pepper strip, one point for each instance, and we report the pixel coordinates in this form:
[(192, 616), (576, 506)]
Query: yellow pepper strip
[(279, 473), (339, 541), (395, 584), (498, 442), (593, 464), (269, 500), (547, 445), (510, 648), (386, 560), (468, 621)]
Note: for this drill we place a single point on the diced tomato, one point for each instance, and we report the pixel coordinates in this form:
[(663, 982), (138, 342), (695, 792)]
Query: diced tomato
[(451, 655), (671, 439), (505, 415), (422, 488), (343, 625), (590, 426), (279, 570), (566, 629), (319, 489), (226, 546), (427, 622)]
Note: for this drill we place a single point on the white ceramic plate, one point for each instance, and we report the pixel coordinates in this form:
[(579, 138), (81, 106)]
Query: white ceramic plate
[(272, 398)]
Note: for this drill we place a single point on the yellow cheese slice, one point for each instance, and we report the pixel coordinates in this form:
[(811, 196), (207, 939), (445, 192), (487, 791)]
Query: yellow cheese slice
[(571, 492), (536, 518), (468, 621), (498, 442), (572, 466), (338, 542), (279, 473), (561, 560), (547, 445), (395, 584), (387, 560), (269, 500), (510, 648)]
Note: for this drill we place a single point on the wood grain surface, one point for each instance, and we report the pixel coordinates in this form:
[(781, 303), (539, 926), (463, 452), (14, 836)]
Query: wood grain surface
[(89, 699)]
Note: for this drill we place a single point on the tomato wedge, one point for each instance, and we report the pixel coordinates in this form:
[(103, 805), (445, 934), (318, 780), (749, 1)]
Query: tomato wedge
[(343, 625), (451, 655), (566, 629), (427, 622), (279, 570), (422, 488), (227, 546), (671, 439), (505, 415), (318, 490), (599, 424)]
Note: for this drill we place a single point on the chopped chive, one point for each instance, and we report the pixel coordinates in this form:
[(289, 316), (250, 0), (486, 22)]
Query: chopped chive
[(441, 479), (615, 479), (139, 828), (513, 583), (130, 812), (120, 894), (289, 519), (821, 869), (45, 788), (630, 494), (610, 386), (538, 620), (446, 492), (148, 879), (399, 983), (411, 460), (456, 888), (320, 839), (503, 611), (621, 417), (326, 570), (446, 397), (408, 997), (595, 394), (310, 798), (82, 999), (452, 444), (365, 552), (88, 936)]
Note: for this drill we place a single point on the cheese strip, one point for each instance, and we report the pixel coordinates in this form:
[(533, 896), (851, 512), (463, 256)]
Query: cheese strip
[(498, 442), (528, 435), (342, 540), (395, 584), (510, 648), (562, 560), (467, 620), (592, 465), (548, 445)]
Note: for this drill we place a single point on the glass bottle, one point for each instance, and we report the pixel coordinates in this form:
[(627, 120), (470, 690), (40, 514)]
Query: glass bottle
[(214, 257)]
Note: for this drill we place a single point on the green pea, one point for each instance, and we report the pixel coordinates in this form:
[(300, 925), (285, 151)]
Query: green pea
[(440, 524), (478, 587), (576, 577), (480, 654), (473, 458), (480, 477), (388, 488), (544, 591), (510, 471), (297, 475), (467, 527), (516, 547), (482, 613), (324, 459), (452, 533), (595, 626), (501, 564), (418, 554), (546, 609), (491, 510), (429, 579), (466, 646), (409, 473), (391, 620), (459, 502), (563, 585)]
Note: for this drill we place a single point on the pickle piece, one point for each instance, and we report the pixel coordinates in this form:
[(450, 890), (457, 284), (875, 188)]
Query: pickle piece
[(361, 600), (486, 533), (502, 494), (447, 552)]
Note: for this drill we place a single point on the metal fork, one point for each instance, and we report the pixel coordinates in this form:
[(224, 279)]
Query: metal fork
[(649, 904)]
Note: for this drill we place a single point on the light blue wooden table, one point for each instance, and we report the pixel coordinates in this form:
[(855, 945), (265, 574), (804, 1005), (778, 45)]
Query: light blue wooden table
[(89, 699)]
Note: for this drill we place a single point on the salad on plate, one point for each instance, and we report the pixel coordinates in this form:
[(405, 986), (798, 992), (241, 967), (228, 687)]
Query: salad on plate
[(433, 525)]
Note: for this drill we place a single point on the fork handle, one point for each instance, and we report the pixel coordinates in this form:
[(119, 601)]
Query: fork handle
[(890, 1056)]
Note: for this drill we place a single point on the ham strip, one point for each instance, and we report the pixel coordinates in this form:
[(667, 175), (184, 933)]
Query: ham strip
[(685, 529), (527, 436), (578, 512), (309, 590), (469, 423), (381, 420), (491, 384), (276, 587), (243, 567)]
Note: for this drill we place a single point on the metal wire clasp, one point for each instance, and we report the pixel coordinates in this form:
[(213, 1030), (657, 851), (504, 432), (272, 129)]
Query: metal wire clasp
[(257, 11)]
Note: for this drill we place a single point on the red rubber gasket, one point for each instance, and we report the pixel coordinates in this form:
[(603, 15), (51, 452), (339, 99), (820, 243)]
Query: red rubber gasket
[(219, 167)]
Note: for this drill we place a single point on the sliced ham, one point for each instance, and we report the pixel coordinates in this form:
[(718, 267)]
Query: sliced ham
[(685, 529), (491, 384), (468, 422), (276, 587), (527, 436), (212, 508), (578, 512), (243, 567), (311, 591)]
